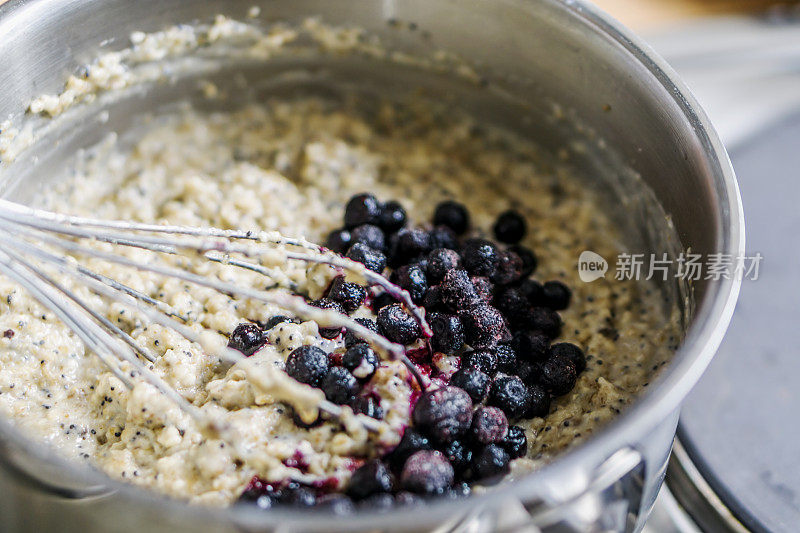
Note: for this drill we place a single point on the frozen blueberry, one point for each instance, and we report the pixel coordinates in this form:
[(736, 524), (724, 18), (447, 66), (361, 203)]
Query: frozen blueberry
[(369, 234), (529, 260), (459, 456), (556, 295), (448, 332), (511, 395), (263, 494), (339, 240), (406, 498), (329, 305), (529, 371), (275, 320), (512, 302), (543, 319), (361, 361), (458, 490), (457, 291), (397, 325), (350, 339), (515, 442), (377, 502), (298, 496), (489, 425), (510, 227), (338, 504), (509, 268), (392, 217), (369, 257), (247, 338), (382, 300), (362, 209), (432, 299), (483, 287), (411, 278), (444, 237), (440, 260), (427, 472), (571, 352), (483, 360), (411, 442), (339, 385), (368, 406), (480, 257), (307, 364), (558, 375), (530, 345), (539, 403), (473, 381), (506, 358), (532, 290), (408, 245), (453, 215), (491, 463), (445, 414), (373, 477), (350, 295), (484, 327)]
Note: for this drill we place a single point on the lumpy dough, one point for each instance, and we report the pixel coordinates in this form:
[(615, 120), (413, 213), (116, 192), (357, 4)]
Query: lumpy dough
[(291, 166)]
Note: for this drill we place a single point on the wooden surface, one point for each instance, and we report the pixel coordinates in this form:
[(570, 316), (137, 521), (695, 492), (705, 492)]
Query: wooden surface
[(649, 14)]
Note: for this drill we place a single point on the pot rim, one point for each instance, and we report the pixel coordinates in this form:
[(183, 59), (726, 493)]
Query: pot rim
[(663, 397)]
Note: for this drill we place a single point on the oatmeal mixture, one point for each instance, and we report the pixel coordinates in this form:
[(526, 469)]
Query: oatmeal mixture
[(292, 166)]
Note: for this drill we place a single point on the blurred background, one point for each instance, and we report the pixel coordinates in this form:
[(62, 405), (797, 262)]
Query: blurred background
[(736, 462)]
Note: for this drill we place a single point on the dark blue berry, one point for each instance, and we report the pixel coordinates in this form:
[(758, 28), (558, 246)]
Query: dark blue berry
[(406, 498), (459, 455), (473, 381), (445, 414), (543, 319), (397, 325), (411, 442), (263, 494), (571, 352), (539, 402), (362, 209), (448, 332), (393, 217), (440, 260), (307, 364), (457, 291), (339, 240), (509, 268), (444, 237), (532, 290), (483, 360), (489, 425), (411, 278), (510, 227), (484, 288), (529, 260), (490, 464), (370, 235), (339, 385), (511, 395), (506, 358), (350, 295), (529, 371), (298, 496), (427, 472), (367, 406), (329, 305), (350, 339), (373, 477), (453, 215), (382, 300), (369, 257), (377, 502), (515, 443), (432, 299), (247, 338), (484, 327), (480, 257), (275, 320), (361, 361), (338, 504), (556, 295), (558, 375), (512, 302), (408, 245), (530, 345)]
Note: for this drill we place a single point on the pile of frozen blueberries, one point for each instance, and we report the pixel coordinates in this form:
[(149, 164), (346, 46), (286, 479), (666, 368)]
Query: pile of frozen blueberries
[(483, 308)]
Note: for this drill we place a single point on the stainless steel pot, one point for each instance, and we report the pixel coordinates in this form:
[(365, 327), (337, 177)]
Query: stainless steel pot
[(532, 53)]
